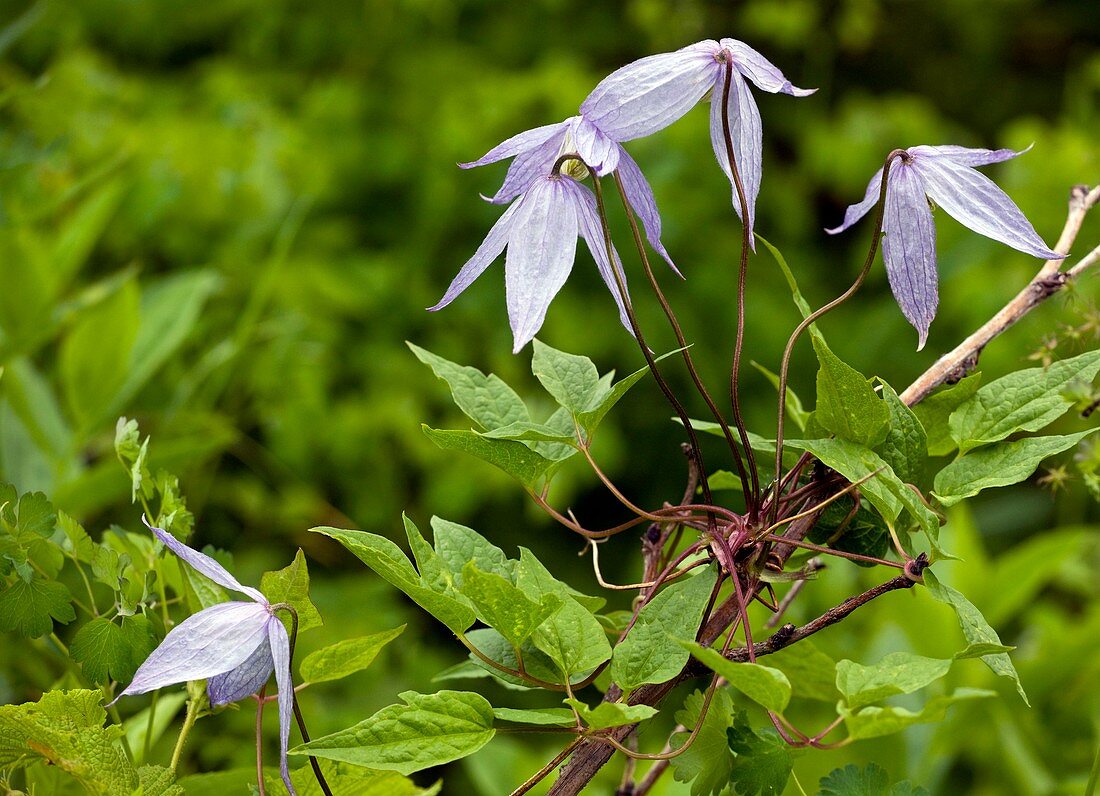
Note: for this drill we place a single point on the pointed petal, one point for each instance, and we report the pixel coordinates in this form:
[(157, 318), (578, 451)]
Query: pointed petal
[(762, 72), (591, 230), (857, 211), (599, 152), (653, 92), (488, 251), (527, 167), (210, 643), (541, 249), (204, 564), (640, 196), (242, 681), (748, 143), (280, 655), (965, 156), (909, 249), (976, 202), (520, 142)]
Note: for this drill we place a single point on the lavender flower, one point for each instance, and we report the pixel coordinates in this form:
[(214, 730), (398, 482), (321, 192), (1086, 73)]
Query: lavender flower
[(535, 152), (540, 231), (234, 646), (944, 174), (652, 93)]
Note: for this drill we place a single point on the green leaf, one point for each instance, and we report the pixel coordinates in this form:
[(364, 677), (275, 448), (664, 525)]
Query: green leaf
[(497, 648), (386, 558), (158, 781), (534, 579), (651, 653), (811, 672), (526, 431), (486, 400), (846, 403), (707, 763), (542, 717), (868, 781), (1001, 464), (763, 760), (457, 545), (30, 607), (27, 524), (346, 657), (897, 673), (934, 411), (107, 651), (611, 714), (343, 780), (873, 722), (796, 413), (905, 448), (980, 650), (434, 572), (573, 639), (975, 628), (799, 301), (504, 607), (1026, 400), (573, 381), (428, 730), (291, 585), (762, 684), (605, 401), (514, 458)]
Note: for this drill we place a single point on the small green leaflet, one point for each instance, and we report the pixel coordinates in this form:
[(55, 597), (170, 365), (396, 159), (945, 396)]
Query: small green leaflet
[(428, 730), (31, 607), (494, 646), (1001, 464), (762, 684), (486, 400), (869, 781), (976, 629), (544, 717), (458, 545), (897, 673), (1026, 400), (763, 761), (573, 638), (514, 458), (572, 380), (504, 607), (346, 657), (535, 580), (905, 448), (846, 403), (707, 763), (343, 780), (108, 651), (611, 714), (291, 585), (872, 722), (934, 411)]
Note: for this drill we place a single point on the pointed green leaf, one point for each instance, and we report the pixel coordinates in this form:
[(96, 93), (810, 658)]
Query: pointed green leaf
[(107, 651), (30, 607), (934, 411), (868, 781), (897, 673), (434, 572), (573, 639), (526, 431), (846, 403), (494, 646), (514, 458), (799, 301), (762, 684), (1001, 464), (291, 585), (486, 400), (503, 607), (572, 380), (543, 717), (873, 722), (456, 545), (707, 763), (428, 730), (346, 657), (651, 652), (763, 760), (611, 714), (535, 580), (905, 448)]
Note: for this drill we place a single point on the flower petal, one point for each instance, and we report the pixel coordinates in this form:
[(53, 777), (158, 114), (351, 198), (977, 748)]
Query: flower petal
[(748, 142), (210, 643), (965, 156), (488, 251), (280, 655), (976, 202), (541, 248), (591, 230), (521, 142), (204, 564), (762, 72), (909, 248), (245, 679), (599, 152), (527, 167), (651, 93), (857, 211), (640, 196)]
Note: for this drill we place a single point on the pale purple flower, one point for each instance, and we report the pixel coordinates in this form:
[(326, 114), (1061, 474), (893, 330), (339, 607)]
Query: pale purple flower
[(944, 175), (234, 646), (652, 93), (540, 231), (535, 152)]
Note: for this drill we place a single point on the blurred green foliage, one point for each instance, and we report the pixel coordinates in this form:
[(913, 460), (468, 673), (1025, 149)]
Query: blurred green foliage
[(225, 219)]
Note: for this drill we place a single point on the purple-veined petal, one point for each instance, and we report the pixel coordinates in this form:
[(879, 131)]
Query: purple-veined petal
[(909, 248), (599, 152), (588, 222), (976, 202), (210, 643), (640, 196), (651, 93), (762, 72), (541, 249), (488, 251), (244, 680), (520, 142), (748, 142), (965, 156), (527, 167), (204, 564), (857, 211), (280, 655)]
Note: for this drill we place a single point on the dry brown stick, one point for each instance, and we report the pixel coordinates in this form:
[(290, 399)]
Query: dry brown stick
[(1049, 280)]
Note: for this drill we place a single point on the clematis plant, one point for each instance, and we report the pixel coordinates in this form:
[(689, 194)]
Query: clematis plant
[(234, 646), (946, 176)]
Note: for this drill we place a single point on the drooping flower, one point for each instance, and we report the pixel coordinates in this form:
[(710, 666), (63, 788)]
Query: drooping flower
[(650, 94), (540, 231), (945, 175), (234, 646), (535, 152)]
